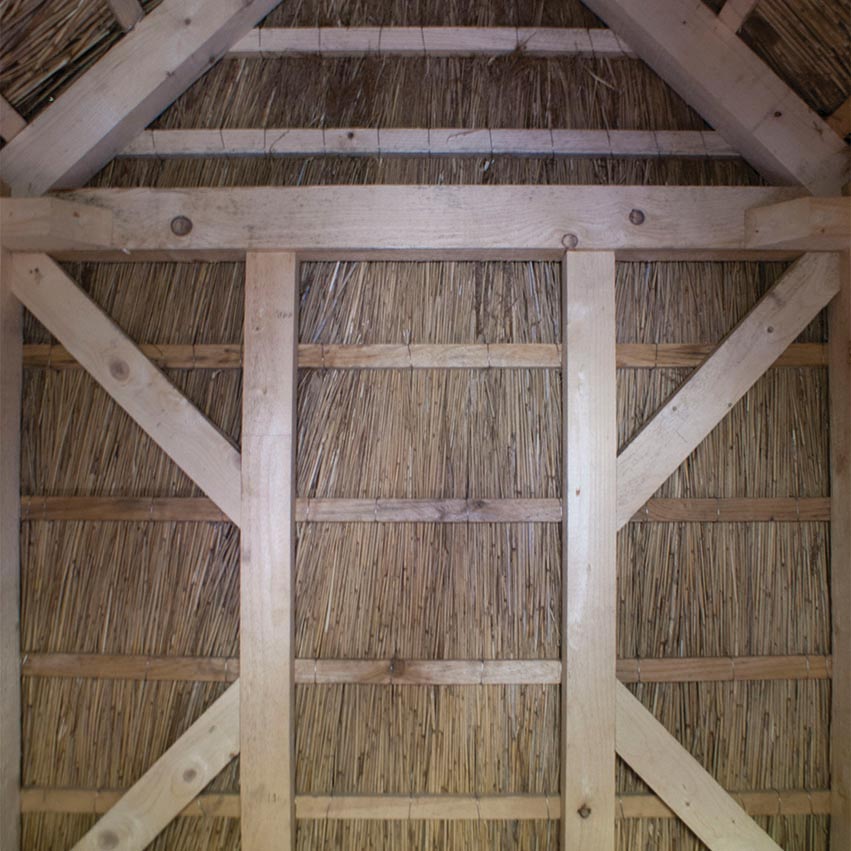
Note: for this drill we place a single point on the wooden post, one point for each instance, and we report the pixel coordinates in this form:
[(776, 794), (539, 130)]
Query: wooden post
[(589, 562), (268, 552), (10, 560), (839, 353)]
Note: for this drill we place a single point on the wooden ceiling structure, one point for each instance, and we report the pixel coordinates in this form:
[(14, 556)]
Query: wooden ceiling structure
[(803, 216)]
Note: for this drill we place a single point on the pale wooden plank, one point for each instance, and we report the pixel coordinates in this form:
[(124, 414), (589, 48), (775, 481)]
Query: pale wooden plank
[(427, 671), (422, 356), (697, 407), (419, 142), (732, 88), (415, 222), (589, 562), (172, 782), (734, 13), (682, 783), (10, 560), (128, 13), (11, 122), (200, 509), (124, 91), (52, 224), (188, 437), (267, 580), (840, 556), (41, 799), (538, 42), (805, 224)]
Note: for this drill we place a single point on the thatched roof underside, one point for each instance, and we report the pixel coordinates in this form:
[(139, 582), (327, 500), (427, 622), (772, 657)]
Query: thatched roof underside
[(424, 590)]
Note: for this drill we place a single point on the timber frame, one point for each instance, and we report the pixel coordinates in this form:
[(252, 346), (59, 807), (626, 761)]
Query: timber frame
[(611, 489), (588, 229)]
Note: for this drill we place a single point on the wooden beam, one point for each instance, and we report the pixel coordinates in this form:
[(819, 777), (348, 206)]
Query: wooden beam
[(589, 558), (124, 91), (188, 437), (11, 122), (426, 671), (531, 42), (267, 584), (805, 224), (696, 408), (200, 510), (51, 224), (128, 13), (172, 782), (840, 120), (734, 13), (682, 783), (419, 222), (422, 356), (733, 89), (427, 142), (840, 556), (772, 802), (10, 560)]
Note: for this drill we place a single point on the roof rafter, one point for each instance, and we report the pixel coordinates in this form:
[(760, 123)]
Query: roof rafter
[(732, 88), (120, 95)]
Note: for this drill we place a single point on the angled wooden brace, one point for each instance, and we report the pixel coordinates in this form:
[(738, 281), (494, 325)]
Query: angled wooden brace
[(643, 466)]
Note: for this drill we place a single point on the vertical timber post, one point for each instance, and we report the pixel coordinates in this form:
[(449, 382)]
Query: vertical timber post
[(10, 559), (839, 360), (589, 552), (267, 704)]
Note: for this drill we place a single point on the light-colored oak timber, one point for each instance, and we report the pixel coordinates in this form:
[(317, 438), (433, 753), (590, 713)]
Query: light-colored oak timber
[(417, 222), (702, 59), (712, 390), (419, 142), (172, 782), (11, 121), (682, 783), (128, 13), (114, 100), (427, 671), (10, 558), (773, 802), (200, 509), (422, 355), (176, 425), (805, 224), (734, 13), (839, 335), (267, 576), (539, 42), (54, 225), (589, 559)]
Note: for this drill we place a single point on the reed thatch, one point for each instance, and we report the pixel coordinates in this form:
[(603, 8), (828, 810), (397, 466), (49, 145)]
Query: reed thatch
[(424, 590)]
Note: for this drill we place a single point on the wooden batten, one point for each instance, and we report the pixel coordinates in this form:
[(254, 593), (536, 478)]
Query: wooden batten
[(774, 802), (423, 356), (267, 583), (11, 122), (10, 559), (427, 142), (201, 509), (427, 671), (128, 13), (531, 42)]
